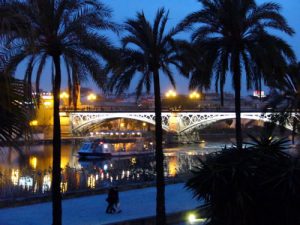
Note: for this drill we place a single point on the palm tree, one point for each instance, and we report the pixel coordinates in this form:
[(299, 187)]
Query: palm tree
[(63, 32), (233, 36), (15, 114), (147, 51), (286, 98)]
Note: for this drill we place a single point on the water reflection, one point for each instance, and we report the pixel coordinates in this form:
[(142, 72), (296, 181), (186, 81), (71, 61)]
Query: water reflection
[(32, 174)]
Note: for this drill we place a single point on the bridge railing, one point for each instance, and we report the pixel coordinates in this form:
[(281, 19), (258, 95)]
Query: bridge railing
[(151, 109)]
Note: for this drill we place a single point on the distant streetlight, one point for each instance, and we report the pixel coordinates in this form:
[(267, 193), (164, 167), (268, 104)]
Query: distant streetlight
[(64, 96), (33, 123), (91, 97), (194, 95), (171, 94)]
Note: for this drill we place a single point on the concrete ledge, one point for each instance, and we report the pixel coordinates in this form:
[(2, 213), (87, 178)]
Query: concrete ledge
[(173, 218)]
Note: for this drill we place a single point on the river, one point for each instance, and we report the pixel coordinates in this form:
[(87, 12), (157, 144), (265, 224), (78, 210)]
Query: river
[(31, 175)]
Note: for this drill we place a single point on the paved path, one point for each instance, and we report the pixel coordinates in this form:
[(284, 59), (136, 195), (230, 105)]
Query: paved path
[(91, 210)]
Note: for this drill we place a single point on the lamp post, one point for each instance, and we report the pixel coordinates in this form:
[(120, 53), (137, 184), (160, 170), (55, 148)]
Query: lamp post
[(171, 94), (64, 96), (194, 95), (91, 97)]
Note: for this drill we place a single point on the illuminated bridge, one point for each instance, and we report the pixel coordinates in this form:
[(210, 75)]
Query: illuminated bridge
[(178, 122)]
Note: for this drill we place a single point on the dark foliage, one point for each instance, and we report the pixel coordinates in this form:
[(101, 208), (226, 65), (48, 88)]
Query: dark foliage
[(257, 185)]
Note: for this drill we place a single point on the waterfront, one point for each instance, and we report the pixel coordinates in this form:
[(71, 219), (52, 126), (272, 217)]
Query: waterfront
[(31, 175)]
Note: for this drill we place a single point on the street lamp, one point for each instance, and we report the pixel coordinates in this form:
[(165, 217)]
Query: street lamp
[(91, 97), (194, 95), (171, 94), (64, 96)]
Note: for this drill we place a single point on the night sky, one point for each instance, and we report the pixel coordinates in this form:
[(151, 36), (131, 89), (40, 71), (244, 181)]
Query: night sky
[(124, 9)]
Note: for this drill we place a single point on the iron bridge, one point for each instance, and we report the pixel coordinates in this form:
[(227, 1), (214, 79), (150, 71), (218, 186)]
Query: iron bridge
[(179, 122)]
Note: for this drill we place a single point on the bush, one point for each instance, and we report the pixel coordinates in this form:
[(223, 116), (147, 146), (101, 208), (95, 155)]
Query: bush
[(259, 184)]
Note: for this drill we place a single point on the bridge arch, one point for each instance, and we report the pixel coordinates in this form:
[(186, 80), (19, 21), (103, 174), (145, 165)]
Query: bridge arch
[(80, 121), (201, 120)]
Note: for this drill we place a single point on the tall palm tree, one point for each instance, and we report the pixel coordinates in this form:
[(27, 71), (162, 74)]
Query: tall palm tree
[(286, 98), (233, 36), (63, 32), (147, 51)]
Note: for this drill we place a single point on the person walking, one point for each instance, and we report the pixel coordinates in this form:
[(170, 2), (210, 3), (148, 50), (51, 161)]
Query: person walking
[(111, 199), (116, 200)]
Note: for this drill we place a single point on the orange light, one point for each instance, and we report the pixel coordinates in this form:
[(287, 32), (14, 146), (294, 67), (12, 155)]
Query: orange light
[(33, 123), (64, 95), (91, 97), (194, 95), (171, 94)]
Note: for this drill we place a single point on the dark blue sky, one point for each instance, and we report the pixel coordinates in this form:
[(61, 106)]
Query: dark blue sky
[(124, 9)]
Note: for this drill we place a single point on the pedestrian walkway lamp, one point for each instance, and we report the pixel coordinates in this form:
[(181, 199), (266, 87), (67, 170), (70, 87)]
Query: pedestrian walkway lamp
[(194, 95), (64, 96), (171, 94), (91, 97)]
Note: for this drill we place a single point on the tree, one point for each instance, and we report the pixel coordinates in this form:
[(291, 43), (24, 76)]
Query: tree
[(147, 51), (15, 112), (286, 99), (249, 186), (64, 32), (234, 36)]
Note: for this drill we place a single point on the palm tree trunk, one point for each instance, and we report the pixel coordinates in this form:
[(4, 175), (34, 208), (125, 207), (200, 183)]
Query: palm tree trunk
[(237, 89), (56, 176), (222, 95), (159, 157), (294, 130)]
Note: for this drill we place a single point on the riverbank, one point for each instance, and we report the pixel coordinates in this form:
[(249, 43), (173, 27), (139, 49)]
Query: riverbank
[(23, 201), (90, 210)]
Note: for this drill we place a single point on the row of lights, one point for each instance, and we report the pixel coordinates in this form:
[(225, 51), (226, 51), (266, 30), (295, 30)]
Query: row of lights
[(93, 97), (65, 95), (116, 133), (173, 94)]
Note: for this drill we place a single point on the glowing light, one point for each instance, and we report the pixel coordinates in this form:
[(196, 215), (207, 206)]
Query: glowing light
[(15, 176), (33, 162), (63, 187), (64, 95), (91, 182), (48, 103), (105, 167), (47, 97), (194, 95), (46, 183), (172, 166), (33, 123), (92, 97), (171, 94), (62, 114), (26, 182), (133, 161), (192, 218)]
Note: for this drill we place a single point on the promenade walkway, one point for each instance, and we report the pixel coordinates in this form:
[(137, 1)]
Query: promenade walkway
[(91, 210)]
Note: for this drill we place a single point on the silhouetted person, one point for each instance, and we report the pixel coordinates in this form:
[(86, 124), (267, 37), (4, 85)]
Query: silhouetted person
[(116, 200), (111, 199)]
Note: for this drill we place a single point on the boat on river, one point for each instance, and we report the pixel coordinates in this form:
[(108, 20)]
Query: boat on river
[(107, 148)]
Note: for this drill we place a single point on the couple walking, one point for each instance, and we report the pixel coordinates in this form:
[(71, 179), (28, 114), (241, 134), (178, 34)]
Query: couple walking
[(113, 201)]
